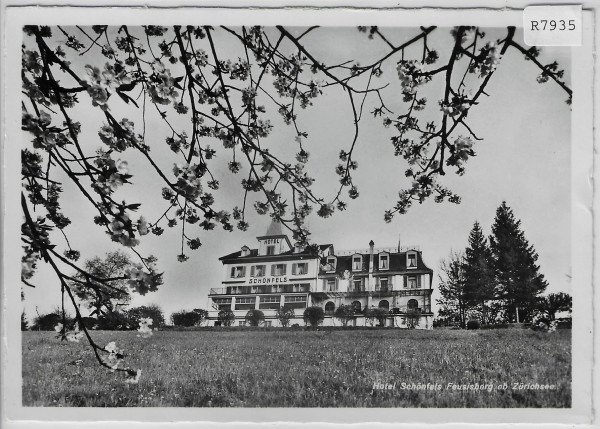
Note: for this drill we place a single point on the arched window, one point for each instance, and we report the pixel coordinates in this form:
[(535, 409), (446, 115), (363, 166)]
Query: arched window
[(384, 303), (329, 307), (412, 304), (356, 305)]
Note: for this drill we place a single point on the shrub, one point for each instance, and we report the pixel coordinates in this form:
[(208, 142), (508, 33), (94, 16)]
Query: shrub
[(152, 311), (295, 326), (284, 314), (115, 321), (379, 314), (24, 323), (255, 317), (412, 318), (47, 322), (314, 315), (189, 318), (473, 324), (89, 323), (344, 313), (226, 317)]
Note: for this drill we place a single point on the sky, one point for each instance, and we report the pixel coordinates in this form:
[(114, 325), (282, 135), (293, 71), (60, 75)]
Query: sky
[(523, 159)]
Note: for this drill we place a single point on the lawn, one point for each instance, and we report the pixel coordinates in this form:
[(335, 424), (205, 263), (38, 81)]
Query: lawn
[(287, 368)]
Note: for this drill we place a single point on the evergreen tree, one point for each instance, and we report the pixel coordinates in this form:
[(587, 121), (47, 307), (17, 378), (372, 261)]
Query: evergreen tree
[(453, 304), (478, 273), (519, 281)]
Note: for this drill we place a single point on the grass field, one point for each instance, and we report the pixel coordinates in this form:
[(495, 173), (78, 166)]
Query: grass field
[(223, 368)]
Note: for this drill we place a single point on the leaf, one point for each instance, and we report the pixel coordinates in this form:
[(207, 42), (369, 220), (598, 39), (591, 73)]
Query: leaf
[(126, 98)]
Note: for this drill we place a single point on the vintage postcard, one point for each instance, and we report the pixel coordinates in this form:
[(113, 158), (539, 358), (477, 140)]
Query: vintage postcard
[(315, 215)]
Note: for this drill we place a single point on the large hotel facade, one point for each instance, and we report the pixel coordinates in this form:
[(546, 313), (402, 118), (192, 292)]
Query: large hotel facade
[(278, 274)]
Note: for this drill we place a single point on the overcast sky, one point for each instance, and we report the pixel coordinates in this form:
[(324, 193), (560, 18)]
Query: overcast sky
[(524, 159)]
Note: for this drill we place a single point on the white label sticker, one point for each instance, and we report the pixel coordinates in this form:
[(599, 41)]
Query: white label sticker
[(552, 25)]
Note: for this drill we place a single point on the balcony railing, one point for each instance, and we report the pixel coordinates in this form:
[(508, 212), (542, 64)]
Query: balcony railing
[(259, 289)]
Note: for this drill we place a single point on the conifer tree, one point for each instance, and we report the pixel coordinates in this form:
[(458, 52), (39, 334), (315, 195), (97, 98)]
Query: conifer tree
[(519, 281), (453, 305), (478, 272)]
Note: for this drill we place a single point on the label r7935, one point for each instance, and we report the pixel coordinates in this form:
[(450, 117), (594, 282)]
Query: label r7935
[(553, 25)]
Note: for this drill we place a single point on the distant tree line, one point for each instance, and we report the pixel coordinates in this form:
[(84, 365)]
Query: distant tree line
[(496, 279)]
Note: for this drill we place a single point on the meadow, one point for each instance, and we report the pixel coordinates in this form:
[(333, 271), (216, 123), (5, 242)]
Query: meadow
[(298, 368)]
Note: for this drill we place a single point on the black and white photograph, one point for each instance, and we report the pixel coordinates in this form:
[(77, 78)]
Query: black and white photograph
[(229, 212)]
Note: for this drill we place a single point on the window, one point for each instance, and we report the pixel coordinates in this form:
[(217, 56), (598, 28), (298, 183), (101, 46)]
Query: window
[(222, 303), (358, 285), (384, 304), (411, 260), (237, 272), (383, 284), (412, 304), (269, 299), (331, 286), (295, 301), (384, 262), (278, 270), (258, 271), (270, 250), (356, 305), (295, 298), (268, 323), (245, 251), (249, 300), (356, 263), (330, 307), (300, 268), (331, 263), (411, 282), (242, 323)]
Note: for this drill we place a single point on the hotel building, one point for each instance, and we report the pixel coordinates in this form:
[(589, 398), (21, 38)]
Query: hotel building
[(277, 274)]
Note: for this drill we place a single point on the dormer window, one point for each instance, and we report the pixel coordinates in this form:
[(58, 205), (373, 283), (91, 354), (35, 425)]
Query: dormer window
[(384, 261), (411, 260), (237, 272), (357, 263), (270, 250), (331, 263), (245, 251)]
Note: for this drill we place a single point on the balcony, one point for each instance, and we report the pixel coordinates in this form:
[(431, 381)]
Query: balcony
[(260, 289)]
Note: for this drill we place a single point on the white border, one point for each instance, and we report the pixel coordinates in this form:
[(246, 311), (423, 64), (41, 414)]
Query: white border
[(582, 141)]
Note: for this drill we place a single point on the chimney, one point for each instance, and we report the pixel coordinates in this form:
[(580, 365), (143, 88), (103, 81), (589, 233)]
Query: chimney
[(371, 245)]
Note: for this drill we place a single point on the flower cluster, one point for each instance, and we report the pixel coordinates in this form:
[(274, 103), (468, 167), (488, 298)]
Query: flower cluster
[(141, 281), (113, 173), (189, 181), (144, 330), (115, 356), (459, 105), (119, 136), (73, 335), (162, 85), (28, 265), (486, 61), (463, 149), (99, 84), (121, 230), (46, 136), (411, 76)]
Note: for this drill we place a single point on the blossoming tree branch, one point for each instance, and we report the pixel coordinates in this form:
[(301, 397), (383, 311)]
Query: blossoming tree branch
[(228, 103)]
